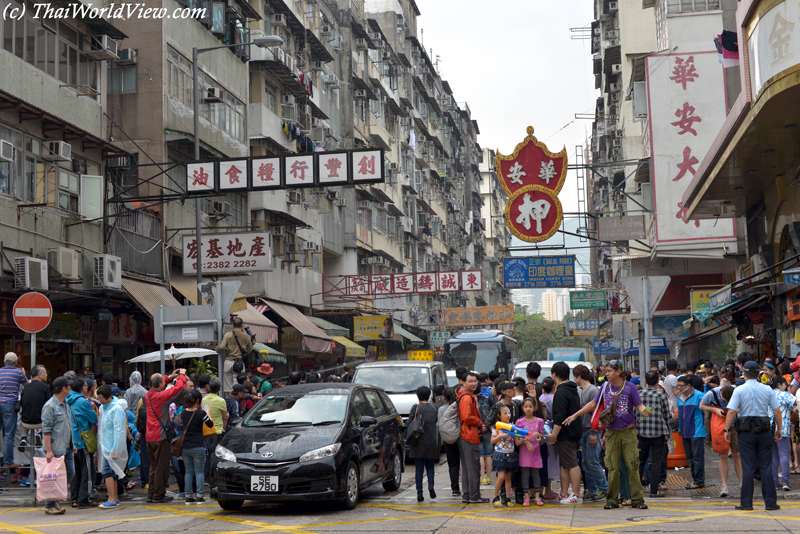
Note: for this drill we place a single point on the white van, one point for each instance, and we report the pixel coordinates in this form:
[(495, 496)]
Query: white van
[(547, 365)]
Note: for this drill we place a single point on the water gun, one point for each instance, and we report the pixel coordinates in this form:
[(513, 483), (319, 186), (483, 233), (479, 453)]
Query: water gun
[(513, 430)]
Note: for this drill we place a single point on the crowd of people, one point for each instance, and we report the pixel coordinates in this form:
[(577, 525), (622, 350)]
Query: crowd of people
[(613, 431)]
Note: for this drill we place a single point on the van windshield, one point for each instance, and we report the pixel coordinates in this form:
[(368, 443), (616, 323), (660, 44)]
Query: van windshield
[(395, 380)]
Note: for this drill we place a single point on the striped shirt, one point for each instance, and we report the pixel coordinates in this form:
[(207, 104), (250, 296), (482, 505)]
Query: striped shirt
[(10, 379)]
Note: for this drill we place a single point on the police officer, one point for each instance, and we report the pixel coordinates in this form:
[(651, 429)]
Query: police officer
[(751, 402)]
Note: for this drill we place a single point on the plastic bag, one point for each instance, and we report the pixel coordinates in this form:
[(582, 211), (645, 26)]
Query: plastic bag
[(718, 441), (51, 479)]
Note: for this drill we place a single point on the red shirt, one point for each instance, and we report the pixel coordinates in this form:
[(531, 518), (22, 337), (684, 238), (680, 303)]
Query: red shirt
[(157, 402)]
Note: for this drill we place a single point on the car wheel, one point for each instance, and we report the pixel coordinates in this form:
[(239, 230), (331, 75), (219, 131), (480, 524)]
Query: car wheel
[(393, 484), (230, 505), (351, 486)]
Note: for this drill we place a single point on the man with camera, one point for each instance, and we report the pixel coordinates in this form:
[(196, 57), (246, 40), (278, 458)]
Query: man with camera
[(237, 346), (751, 402)]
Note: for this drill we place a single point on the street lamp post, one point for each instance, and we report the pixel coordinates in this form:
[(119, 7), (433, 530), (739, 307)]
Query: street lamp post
[(268, 41)]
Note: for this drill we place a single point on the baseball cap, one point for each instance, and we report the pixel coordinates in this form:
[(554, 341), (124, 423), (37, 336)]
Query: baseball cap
[(10, 357), (238, 388), (751, 366), (505, 386), (59, 384), (89, 382), (616, 365)]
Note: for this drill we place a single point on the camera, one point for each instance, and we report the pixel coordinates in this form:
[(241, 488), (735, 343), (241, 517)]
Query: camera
[(249, 332)]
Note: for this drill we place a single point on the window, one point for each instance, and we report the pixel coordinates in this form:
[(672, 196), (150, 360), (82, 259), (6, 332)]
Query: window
[(68, 190), (691, 6), (375, 403), (271, 97), (123, 79)]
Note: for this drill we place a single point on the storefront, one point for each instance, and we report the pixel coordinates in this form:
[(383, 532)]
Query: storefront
[(307, 346)]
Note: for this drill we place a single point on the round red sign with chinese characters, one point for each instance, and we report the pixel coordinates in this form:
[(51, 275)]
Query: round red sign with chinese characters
[(533, 214)]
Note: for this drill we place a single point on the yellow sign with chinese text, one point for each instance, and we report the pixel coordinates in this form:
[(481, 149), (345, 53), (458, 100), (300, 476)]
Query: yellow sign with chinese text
[(371, 327), (420, 355), (482, 315), (700, 299)]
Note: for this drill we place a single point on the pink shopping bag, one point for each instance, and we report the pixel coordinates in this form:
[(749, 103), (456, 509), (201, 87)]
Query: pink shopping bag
[(51, 479)]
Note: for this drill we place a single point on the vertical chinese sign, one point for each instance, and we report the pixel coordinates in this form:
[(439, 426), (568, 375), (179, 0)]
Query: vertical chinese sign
[(686, 95)]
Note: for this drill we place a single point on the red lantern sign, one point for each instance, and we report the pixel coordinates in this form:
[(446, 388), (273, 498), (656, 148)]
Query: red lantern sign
[(532, 177)]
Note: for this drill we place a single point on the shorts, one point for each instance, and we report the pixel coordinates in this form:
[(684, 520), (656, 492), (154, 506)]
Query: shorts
[(504, 461), (487, 449), (107, 472), (568, 454), (734, 441)]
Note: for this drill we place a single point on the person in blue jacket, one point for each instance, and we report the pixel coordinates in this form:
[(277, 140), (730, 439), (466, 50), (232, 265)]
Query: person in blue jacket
[(692, 429), (84, 420)]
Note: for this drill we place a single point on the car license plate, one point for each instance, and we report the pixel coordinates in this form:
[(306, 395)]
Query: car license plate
[(264, 484)]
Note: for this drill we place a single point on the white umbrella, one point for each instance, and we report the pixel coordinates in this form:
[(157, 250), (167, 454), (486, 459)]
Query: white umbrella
[(173, 354)]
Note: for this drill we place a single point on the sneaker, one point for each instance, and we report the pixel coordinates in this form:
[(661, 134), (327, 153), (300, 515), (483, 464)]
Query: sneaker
[(599, 496), (54, 511), (25, 483), (486, 482), (107, 505), (692, 485), (724, 491), (456, 492), (165, 499), (571, 499), (190, 500), (200, 500), (89, 504), (182, 495), (786, 487)]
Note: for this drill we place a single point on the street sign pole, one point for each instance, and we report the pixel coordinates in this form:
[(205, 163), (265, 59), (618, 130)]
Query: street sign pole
[(33, 350), (161, 343), (221, 354), (644, 349)]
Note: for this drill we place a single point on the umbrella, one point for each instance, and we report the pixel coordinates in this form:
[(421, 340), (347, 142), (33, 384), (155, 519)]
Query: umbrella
[(173, 354)]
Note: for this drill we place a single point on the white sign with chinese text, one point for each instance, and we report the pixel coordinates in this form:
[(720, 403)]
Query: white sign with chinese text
[(382, 284), (229, 253), (299, 170), (471, 280), (426, 282), (334, 168), (266, 173), (448, 281), (686, 94), (233, 175), (774, 43), (201, 177), (358, 285), (367, 166), (403, 283)]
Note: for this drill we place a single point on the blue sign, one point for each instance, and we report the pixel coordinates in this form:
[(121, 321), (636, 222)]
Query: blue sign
[(582, 325), (541, 271), (791, 276), (610, 348), (658, 345)]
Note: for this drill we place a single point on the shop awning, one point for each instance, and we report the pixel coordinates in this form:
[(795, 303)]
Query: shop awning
[(351, 348), (721, 314), (399, 330), (268, 354), (658, 345), (265, 330), (314, 339), (704, 334), (330, 328), (187, 286), (148, 296)]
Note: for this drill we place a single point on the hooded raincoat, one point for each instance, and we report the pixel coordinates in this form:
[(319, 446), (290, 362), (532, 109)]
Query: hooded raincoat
[(135, 392), (112, 436)]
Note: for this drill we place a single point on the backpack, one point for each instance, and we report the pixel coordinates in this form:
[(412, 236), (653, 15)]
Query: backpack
[(485, 405), (450, 425)]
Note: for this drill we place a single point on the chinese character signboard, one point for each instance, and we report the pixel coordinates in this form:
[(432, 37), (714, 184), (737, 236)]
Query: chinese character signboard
[(122, 329), (532, 177), (201, 177), (436, 339), (791, 276), (591, 324), (408, 283), (687, 111), (299, 171), (367, 166), (582, 300), (334, 168), (371, 327), (266, 173), (541, 271), (700, 299), (233, 175), (420, 355), (483, 315), (229, 253), (623, 228), (774, 43)]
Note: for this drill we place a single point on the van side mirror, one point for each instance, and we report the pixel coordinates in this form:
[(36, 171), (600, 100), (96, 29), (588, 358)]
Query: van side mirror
[(368, 421), (438, 390)]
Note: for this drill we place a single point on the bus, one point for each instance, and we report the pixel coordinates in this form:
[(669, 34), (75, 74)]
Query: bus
[(481, 350), (566, 354)]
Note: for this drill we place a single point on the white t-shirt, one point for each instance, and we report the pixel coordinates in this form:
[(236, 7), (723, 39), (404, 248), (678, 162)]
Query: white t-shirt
[(670, 388)]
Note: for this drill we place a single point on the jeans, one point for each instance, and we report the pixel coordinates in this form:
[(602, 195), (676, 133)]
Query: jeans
[(194, 460), (69, 459), (695, 455), (81, 484), (621, 448), (780, 458), (423, 464), (755, 450), (8, 419), (453, 464), (470, 470), (624, 482), (595, 477), (652, 449)]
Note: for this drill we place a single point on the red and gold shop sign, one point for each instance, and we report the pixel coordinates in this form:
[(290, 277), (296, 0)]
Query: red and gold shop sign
[(532, 177)]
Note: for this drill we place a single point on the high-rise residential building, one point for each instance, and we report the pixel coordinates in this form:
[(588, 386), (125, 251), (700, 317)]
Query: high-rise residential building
[(550, 305)]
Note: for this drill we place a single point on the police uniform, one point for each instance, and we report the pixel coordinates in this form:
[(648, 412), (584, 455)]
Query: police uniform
[(753, 401)]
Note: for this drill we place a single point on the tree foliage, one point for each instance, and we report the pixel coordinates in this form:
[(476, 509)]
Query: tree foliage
[(535, 335)]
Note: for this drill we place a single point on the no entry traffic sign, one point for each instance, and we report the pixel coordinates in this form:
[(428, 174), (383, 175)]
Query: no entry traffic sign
[(32, 312)]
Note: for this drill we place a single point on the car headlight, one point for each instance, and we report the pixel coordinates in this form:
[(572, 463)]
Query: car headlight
[(224, 454), (324, 452)]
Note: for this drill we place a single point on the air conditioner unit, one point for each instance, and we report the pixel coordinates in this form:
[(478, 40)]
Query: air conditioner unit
[(128, 56), (214, 95), (379, 44), (341, 201), (366, 261), (31, 273), (333, 195), (364, 205), (613, 7), (375, 36), (361, 93), (616, 68), (6, 151), (361, 44), (58, 151), (220, 209), (757, 264), (103, 47), (279, 20), (317, 65), (326, 30), (617, 143), (108, 271), (65, 261), (380, 205), (616, 152), (307, 111), (295, 197), (614, 98), (309, 246), (393, 166), (287, 100), (615, 87), (278, 231)]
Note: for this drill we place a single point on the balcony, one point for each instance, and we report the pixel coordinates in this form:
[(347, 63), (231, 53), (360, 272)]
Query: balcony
[(281, 65), (136, 239)]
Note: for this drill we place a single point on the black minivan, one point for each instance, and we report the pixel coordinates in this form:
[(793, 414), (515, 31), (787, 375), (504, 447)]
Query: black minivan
[(309, 442)]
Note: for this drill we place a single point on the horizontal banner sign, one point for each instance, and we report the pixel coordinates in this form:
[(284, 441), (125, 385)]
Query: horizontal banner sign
[(482, 315), (582, 300), (263, 173), (408, 283), (229, 253), (370, 327), (626, 228), (541, 271), (591, 324)]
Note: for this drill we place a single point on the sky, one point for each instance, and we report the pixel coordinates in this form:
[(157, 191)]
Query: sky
[(515, 64)]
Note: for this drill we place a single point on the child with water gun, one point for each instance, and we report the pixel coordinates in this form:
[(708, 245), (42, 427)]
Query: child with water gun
[(504, 457), (530, 455)]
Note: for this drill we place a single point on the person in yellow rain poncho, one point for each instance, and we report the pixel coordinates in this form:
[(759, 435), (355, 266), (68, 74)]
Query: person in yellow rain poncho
[(112, 445)]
